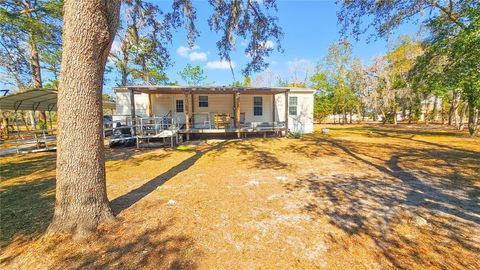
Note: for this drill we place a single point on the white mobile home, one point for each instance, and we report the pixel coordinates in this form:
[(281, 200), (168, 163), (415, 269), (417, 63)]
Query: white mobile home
[(210, 109)]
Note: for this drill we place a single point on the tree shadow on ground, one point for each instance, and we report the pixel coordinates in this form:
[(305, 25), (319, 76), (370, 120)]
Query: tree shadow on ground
[(120, 153), (410, 137), (125, 201), (407, 129), (415, 219), (260, 159), (26, 165), (114, 246), (145, 248), (26, 209)]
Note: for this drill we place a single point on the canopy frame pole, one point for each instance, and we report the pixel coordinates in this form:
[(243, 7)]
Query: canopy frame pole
[(15, 106), (34, 109), (50, 108)]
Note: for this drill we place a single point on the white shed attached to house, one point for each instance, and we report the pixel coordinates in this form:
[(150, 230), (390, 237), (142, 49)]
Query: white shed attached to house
[(210, 109)]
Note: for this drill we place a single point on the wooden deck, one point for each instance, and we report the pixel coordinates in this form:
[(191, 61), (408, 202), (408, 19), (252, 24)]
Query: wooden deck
[(230, 130)]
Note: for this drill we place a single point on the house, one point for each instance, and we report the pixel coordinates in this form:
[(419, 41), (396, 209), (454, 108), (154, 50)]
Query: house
[(215, 109)]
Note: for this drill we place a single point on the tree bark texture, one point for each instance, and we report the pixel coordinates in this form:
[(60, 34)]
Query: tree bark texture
[(472, 120), (454, 102), (461, 117), (81, 198), (427, 115), (34, 59), (435, 109)]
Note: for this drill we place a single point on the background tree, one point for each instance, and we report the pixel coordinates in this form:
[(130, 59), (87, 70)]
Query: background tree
[(247, 81), (236, 84), (250, 20), (143, 37), (332, 77), (193, 75), (29, 29), (401, 59), (453, 34)]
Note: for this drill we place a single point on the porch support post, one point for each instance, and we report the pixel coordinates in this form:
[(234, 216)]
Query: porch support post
[(273, 111), (193, 110), (187, 116), (150, 114), (237, 112), (286, 113), (132, 111)]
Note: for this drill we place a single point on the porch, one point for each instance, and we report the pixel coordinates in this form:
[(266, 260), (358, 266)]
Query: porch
[(211, 110)]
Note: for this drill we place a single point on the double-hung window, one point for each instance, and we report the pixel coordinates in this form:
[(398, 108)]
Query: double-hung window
[(179, 105), (292, 106), (257, 106), (203, 101)]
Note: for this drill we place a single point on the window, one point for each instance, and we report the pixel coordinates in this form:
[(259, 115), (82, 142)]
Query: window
[(292, 106), (179, 105), (257, 106), (203, 101)]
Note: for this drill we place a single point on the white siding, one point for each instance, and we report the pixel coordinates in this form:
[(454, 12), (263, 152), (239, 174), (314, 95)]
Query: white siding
[(163, 104), (223, 103), (217, 103), (246, 106), (123, 103), (303, 121)]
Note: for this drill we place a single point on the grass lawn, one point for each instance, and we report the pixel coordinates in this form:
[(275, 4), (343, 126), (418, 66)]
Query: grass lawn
[(362, 197)]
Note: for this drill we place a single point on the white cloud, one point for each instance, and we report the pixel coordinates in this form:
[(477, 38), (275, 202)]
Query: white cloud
[(183, 51), (197, 56), (192, 53), (269, 44), (220, 64)]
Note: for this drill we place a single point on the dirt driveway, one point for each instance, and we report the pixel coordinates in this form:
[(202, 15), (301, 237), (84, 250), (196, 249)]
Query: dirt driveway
[(359, 198)]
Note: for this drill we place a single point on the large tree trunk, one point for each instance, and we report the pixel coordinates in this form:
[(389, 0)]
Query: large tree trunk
[(427, 116), (124, 65), (81, 198), (35, 61), (394, 113), (453, 107), (472, 119), (461, 117)]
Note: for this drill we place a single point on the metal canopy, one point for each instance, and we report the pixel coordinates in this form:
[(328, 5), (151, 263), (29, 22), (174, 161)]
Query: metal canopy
[(30, 100), (36, 100)]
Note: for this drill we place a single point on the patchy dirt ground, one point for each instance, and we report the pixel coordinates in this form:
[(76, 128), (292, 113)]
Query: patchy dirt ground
[(360, 198)]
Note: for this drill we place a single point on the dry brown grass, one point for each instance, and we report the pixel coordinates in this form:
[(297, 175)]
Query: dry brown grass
[(360, 198)]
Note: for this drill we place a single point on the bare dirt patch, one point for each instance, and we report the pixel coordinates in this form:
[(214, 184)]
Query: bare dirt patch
[(360, 198)]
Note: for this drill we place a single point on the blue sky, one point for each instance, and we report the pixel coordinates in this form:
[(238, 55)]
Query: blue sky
[(309, 28)]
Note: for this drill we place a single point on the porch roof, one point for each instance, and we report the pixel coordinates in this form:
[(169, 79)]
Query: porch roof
[(175, 89)]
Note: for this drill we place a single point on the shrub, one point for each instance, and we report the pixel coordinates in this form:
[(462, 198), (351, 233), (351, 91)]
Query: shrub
[(297, 135)]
